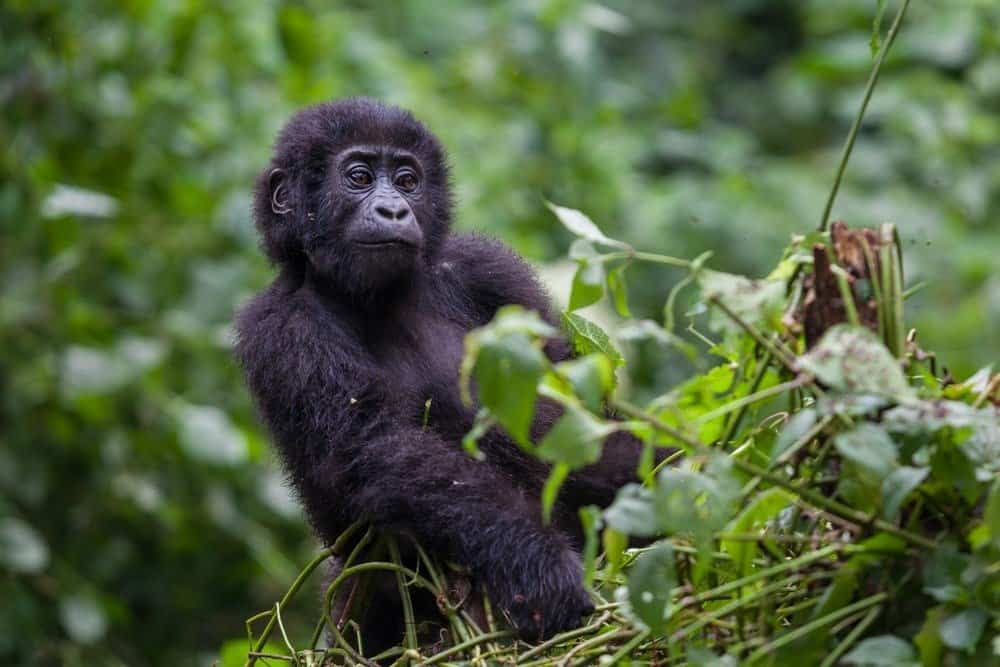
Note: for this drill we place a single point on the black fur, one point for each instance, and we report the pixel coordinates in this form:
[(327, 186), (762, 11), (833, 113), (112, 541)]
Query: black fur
[(343, 350)]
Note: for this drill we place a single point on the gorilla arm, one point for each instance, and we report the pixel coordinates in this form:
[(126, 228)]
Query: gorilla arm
[(350, 457), (494, 275)]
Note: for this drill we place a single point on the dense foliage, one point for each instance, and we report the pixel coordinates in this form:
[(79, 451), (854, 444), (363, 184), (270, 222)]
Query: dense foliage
[(825, 503), (140, 516)]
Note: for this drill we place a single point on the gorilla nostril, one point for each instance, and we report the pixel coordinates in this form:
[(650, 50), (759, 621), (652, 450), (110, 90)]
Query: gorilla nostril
[(392, 213)]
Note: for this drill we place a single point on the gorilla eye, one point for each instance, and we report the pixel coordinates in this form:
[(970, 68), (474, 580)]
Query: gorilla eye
[(360, 177), (407, 181)]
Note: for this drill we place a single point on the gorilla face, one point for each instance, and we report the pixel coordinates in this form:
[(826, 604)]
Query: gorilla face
[(367, 233), (357, 195)]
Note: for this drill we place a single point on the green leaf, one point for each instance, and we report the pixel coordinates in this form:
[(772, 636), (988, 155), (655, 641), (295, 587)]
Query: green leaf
[(483, 422), (897, 486), (586, 338), (592, 377), (796, 427), (885, 650), (83, 618), (507, 372), (764, 507), (575, 440), (943, 574), (962, 630), (870, 448), (588, 284), (928, 640), (991, 516), (582, 226), (754, 301), (633, 512), (703, 657), (697, 504), (853, 359), (550, 491), (590, 522), (651, 583), (618, 290), (876, 39), (22, 548), (207, 434), (614, 543)]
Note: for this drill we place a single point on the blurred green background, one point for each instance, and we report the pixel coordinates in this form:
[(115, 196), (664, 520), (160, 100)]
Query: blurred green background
[(142, 517)]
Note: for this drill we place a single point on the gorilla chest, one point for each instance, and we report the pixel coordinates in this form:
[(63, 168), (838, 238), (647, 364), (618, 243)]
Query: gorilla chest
[(422, 371)]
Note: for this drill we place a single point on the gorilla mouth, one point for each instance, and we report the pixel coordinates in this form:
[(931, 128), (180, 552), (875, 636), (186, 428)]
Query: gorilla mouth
[(386, 243)]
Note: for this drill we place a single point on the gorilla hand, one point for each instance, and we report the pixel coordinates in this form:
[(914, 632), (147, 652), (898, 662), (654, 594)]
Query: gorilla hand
[(543, 597)]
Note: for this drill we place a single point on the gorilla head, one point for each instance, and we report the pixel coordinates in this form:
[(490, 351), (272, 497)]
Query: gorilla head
[(356, 195)]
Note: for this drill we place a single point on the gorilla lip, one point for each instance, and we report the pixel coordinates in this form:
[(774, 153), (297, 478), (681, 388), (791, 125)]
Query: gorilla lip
[(388, 243)]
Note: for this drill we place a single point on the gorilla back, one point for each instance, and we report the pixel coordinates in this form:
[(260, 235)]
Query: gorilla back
[(364, 325)]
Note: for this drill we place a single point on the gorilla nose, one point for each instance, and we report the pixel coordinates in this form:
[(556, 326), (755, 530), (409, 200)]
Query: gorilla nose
[(392, 211)]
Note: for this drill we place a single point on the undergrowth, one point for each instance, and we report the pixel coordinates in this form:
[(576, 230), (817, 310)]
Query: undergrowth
[(834, 499)]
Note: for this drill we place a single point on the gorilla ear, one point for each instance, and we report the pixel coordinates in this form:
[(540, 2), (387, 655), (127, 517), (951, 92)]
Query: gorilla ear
[(279, 192)]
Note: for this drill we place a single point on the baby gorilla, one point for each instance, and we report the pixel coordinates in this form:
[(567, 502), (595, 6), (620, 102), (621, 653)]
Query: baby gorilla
[(364, 327)]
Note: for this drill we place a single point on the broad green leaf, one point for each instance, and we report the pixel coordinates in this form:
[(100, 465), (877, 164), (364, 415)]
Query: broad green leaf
[(575, 439), (582, 226), (22, 548), (870, 448), (882, 651), (698, 504), (963, 629), (588, 284), (763, 508), (943, 574), (897, 486), (651, 583), (586, 337), (753, 301), (853, 359), (618, 290), (507, 372), (592, 377), (633, 512)]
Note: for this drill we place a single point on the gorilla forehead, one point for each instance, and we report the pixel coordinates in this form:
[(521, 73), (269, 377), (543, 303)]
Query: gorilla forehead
[(324, 129)]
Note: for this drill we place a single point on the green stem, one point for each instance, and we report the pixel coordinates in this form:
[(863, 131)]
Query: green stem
[(819, 500), (409, 622), (804, 630), (853, 134), (286, 598), (563, 637), (727, 609), (851, 637), (625, 650), (770, 392), (734, 423), (458, 648)]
